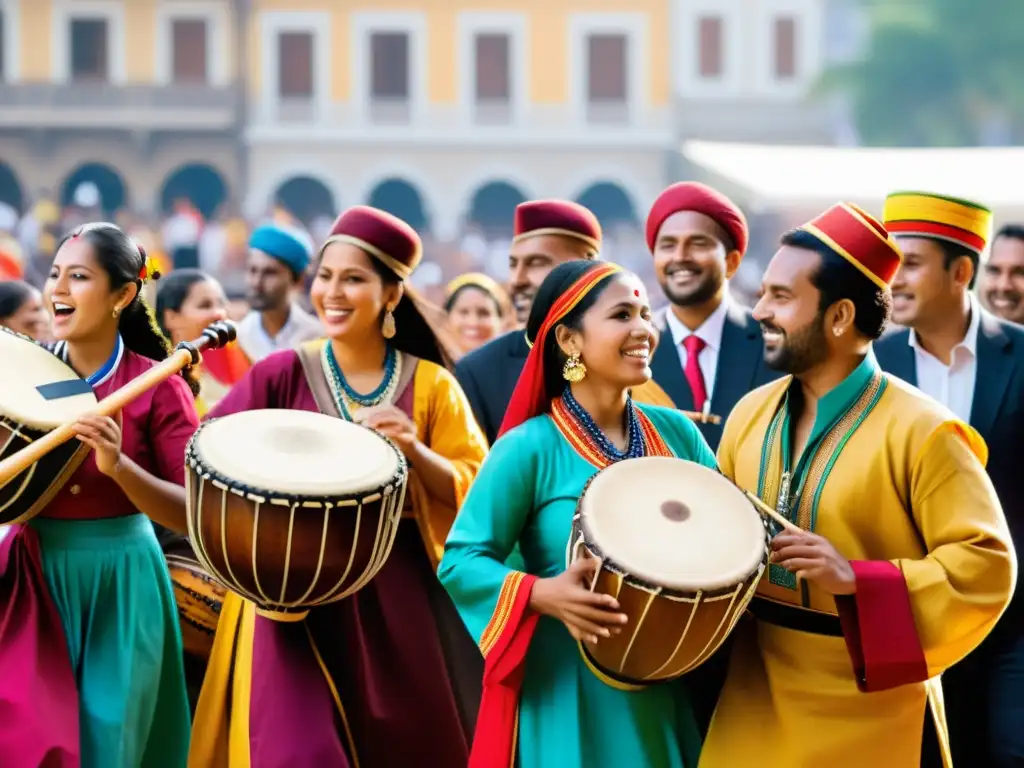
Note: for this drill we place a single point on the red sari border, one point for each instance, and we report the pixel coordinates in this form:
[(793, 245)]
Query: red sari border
[(878, 626), (504, 642)]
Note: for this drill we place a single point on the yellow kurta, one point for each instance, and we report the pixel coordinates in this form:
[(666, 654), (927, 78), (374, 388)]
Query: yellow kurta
[(905, 485)]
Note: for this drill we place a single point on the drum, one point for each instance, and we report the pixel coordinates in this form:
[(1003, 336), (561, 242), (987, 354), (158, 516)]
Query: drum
[(682, 550), (292, 509), (38, 393), (199, 597)]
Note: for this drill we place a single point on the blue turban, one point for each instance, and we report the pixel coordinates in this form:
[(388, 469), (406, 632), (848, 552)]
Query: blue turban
[(289, 247)]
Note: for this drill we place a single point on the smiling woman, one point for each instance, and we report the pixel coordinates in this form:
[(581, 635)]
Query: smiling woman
[(398, 641), (571, 415), (84, 585)]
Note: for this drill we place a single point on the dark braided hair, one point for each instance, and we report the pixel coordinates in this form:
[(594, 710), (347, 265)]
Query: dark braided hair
[(558, 281), (123, 260)]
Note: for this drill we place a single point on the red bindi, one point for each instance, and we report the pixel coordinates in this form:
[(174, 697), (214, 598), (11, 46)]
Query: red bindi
[(636, 292)]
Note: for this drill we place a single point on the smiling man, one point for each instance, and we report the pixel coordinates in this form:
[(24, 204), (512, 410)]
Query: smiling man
[(896, 561), (973, 363), (711, 350), (1002, 284), (546, 233)]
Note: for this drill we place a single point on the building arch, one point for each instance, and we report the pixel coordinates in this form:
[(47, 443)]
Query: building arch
[(200, 183), (113, 192), (11, 192), (610, 202), (307, 198), (400, 198), (492, 206)]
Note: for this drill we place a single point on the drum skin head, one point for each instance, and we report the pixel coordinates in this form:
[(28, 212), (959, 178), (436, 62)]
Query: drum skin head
[(35, 365), (672, 523), (296, 453)]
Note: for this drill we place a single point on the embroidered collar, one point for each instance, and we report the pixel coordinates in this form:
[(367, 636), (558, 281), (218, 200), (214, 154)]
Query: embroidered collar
[(106, 371)]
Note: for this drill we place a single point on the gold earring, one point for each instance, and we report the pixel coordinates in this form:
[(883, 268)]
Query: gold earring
[(837, 331), (574, 370), (387, 327), (115, 313)]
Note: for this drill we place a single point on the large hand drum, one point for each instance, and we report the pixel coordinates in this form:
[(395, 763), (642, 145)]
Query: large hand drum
[(681, 549), (292, 509), (38, 393), (200, 599)]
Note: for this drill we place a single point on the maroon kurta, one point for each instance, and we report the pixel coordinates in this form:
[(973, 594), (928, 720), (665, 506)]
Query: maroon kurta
[(388, 648)]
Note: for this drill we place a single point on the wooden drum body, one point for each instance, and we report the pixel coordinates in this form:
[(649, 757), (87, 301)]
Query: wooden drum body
[(38, 393), (200, 598), (292, 509), (681, 549)]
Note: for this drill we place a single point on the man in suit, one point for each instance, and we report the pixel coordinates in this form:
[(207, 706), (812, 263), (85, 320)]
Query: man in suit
[(546, 233), (1002, 285), (972, 362), (710, 351)]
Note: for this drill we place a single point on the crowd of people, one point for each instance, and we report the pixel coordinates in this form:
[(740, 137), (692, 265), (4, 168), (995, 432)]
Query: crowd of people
[(885, 629)]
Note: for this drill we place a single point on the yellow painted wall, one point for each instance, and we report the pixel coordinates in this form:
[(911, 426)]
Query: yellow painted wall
[(36, 40), (548, 25), (140, 42)]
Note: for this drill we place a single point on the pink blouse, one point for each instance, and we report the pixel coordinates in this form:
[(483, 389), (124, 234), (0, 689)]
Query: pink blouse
[(156, 427)]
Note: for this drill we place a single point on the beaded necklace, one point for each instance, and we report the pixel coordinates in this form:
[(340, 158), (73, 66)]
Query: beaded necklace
[(597, 439), (345, 397)]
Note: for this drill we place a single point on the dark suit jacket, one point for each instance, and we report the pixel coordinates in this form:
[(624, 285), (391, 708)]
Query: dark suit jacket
[(488, 375), (741, 367), (997, 411)]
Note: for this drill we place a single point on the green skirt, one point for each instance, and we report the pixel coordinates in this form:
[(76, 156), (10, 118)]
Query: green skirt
[(109, 581)]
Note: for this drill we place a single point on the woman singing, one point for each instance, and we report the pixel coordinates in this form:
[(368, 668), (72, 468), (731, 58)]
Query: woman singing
[(570, 415), (90, 648), (403, 667), (187, 301), (478, 309)]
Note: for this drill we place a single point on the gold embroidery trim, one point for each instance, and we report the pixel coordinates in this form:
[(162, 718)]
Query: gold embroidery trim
[(502, 609)]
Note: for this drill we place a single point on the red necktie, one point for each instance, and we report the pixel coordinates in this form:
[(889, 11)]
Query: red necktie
[(693, 345)]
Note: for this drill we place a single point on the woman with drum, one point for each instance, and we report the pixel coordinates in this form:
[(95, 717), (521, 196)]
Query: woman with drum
[(90, 649), (570, 416), (187, 301), (388, 676)]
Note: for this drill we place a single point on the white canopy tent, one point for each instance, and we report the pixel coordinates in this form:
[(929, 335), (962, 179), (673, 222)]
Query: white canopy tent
[(797, 176)]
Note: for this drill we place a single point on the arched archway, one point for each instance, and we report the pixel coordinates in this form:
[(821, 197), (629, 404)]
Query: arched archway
[(198, 182), (111, 186), (402, 199), (306, 198), (10, 188), (493, 205), (610, 203)]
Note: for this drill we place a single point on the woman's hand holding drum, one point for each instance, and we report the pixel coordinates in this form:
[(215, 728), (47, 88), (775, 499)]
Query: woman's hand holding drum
[(391, 422), (587, 615)]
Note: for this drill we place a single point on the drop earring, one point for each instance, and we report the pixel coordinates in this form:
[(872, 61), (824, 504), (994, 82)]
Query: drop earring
[(574, 370), (387, 327)]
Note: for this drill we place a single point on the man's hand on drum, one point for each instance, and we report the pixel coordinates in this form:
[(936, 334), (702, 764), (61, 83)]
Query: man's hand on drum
[(390, 422), (588, 616), (813, 558), (103, 435)]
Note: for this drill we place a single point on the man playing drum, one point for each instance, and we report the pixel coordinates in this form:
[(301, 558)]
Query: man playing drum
[(898, 562)]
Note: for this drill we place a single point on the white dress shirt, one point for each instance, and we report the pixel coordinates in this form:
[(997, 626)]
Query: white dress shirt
[(258, 344), (710, 332), (953, 384)]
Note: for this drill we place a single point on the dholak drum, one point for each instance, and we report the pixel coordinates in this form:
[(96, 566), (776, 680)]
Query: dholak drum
[(199, 597), (38, 393), (681, 549), (292, 509)]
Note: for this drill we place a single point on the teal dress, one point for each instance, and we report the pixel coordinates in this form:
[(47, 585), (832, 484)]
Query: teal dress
[(526, 494)]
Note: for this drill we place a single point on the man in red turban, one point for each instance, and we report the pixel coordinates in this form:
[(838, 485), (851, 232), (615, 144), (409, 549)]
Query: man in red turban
[(710, 354)]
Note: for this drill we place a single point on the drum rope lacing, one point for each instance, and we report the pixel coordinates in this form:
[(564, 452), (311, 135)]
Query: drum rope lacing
[(634, 448), (346, 398)]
